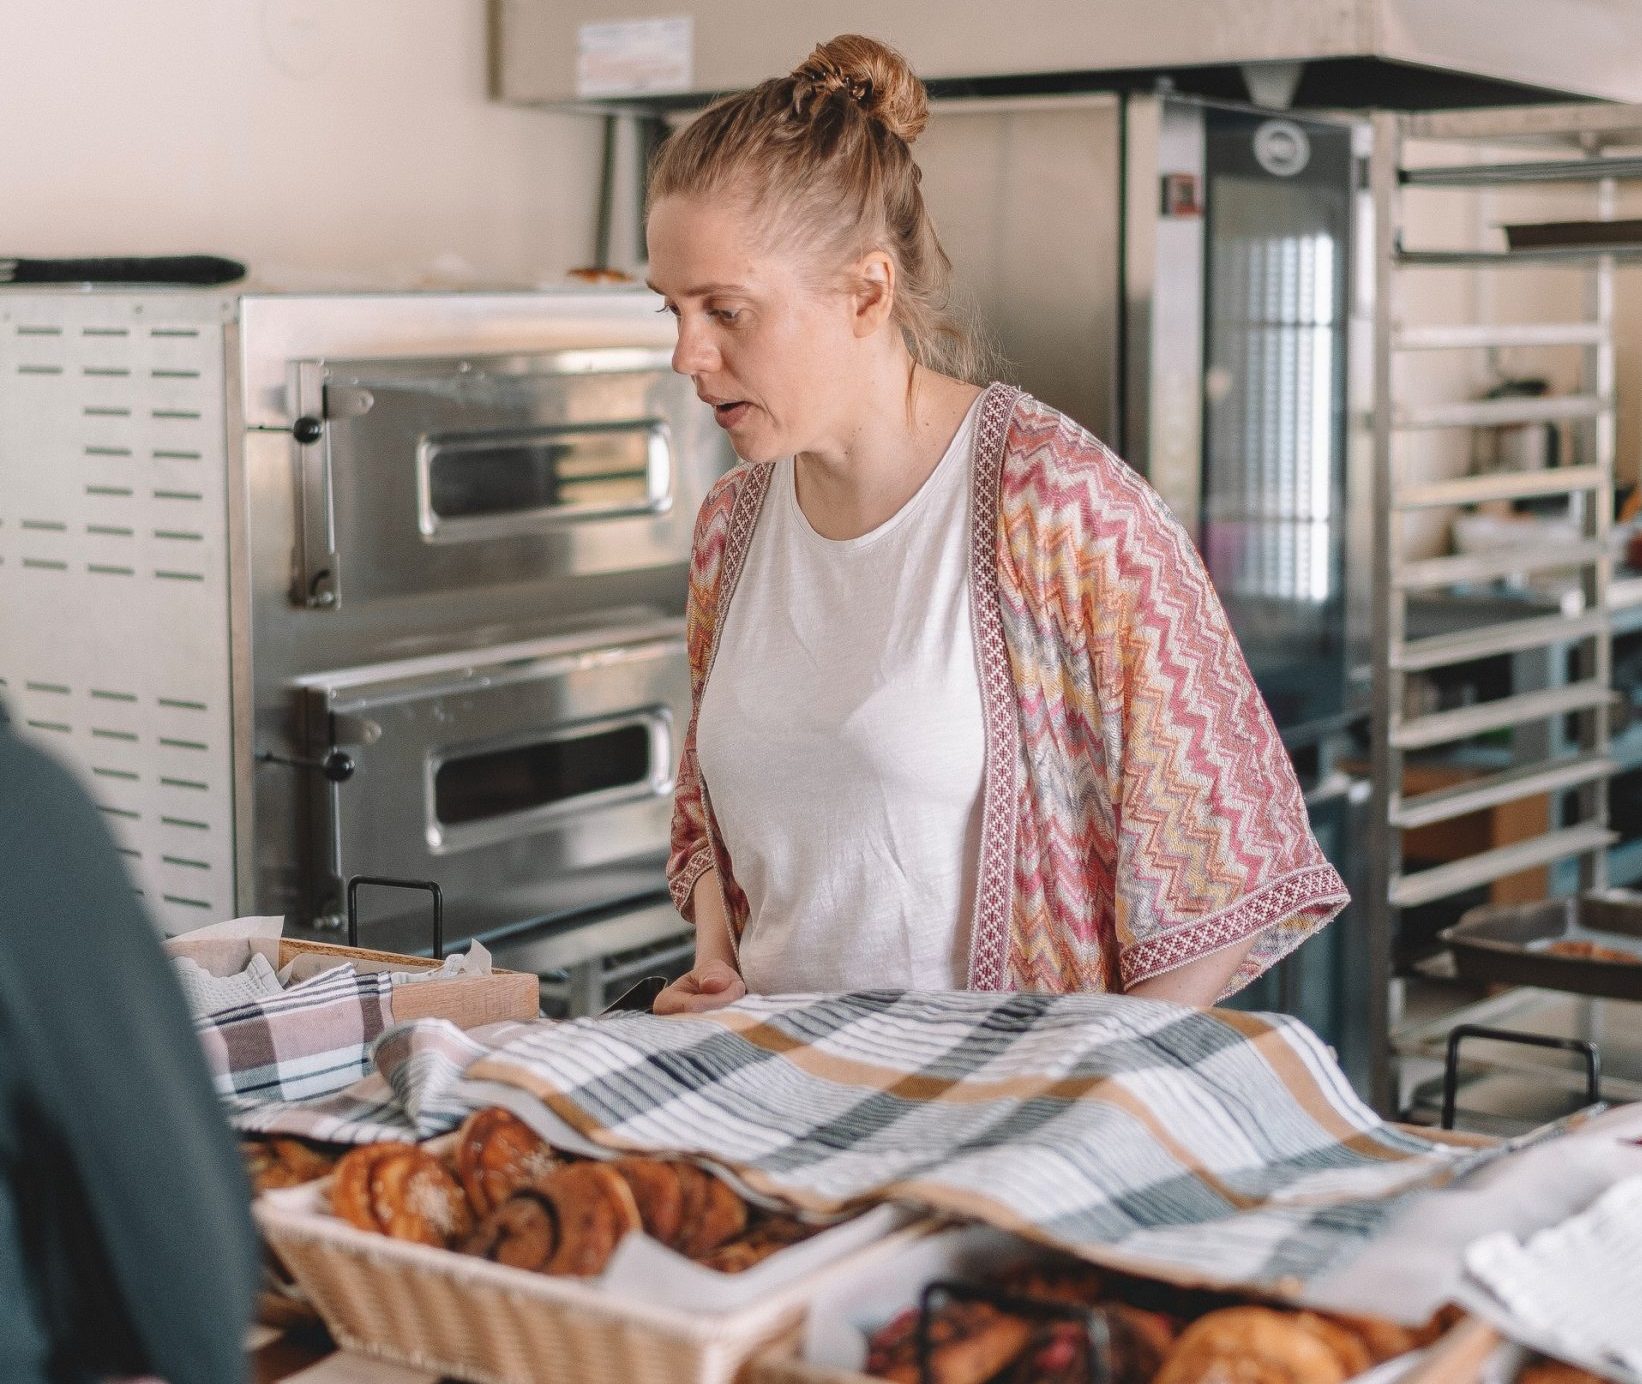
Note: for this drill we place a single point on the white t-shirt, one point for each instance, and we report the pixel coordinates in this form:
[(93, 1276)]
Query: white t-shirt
[(841, 742)]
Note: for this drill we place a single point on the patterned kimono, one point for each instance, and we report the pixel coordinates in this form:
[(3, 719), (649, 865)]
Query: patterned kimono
[(1138, 808)]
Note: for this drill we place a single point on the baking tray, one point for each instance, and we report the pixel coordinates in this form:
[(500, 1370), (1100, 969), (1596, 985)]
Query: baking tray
[(1506, 944), (1545, 235)]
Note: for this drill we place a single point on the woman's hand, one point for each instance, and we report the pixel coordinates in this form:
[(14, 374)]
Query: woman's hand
[(711, 985)]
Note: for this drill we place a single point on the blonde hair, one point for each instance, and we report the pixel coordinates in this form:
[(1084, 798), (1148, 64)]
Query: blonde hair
[(824, 153)]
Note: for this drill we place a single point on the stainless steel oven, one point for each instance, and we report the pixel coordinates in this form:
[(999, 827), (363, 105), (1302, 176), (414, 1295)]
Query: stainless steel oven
[(362, 584), (526, 783), (450, 475)]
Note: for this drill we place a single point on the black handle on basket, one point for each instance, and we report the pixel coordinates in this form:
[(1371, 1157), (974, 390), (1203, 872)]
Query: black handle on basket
[(385, 882), (1451, 1067), (1092, 1319)]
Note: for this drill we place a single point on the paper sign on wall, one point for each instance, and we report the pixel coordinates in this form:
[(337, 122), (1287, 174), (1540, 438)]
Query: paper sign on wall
[(635, 57)]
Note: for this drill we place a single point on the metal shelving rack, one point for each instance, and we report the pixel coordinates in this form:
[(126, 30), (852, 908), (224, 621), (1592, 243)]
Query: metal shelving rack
[(1572, 145)]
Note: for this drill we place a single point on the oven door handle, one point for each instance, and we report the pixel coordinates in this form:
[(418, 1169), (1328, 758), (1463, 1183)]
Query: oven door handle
[(316, 582)]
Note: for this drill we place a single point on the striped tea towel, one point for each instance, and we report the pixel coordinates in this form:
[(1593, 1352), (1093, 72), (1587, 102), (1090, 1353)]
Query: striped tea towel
[(1224, 1145), (306, 1041), (414, 1092)]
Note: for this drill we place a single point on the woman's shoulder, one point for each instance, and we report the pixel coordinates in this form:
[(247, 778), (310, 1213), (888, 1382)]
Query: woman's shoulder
[(1050, 459)]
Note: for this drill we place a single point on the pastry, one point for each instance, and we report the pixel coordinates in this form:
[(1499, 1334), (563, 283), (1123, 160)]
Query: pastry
[(1348, 1345), (497, 1153), (523, 1232), (1059, 1354), (767, 1237), (1252, 1345), (597, 274), (713, 1214), (1581, 950), (1384, 1339), (593, 1208), (1547, 1371), (282, 1162), (402, 1191), (970, 1342), (659, 1193)]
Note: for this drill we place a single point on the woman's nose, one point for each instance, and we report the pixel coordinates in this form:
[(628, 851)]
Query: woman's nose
[(694, 354)]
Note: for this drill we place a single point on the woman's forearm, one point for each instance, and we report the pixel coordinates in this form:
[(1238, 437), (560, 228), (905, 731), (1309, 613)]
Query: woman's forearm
[(712, 921), (1199, 982)]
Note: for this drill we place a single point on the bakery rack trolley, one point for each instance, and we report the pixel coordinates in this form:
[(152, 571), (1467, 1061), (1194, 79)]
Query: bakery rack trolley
[(1433, 326)]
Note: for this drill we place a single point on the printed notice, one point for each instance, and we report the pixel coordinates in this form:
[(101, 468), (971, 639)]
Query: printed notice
[(635, 57)]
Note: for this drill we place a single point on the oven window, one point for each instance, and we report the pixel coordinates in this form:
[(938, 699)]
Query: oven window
[(484, 476), (499, 783)]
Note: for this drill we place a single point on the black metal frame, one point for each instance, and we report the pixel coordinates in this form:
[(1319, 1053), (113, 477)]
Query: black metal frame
[(1460, 1032), (387, 883)]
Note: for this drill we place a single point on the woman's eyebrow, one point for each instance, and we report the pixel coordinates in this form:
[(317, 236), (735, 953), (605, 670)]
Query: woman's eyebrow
[(701, 291)]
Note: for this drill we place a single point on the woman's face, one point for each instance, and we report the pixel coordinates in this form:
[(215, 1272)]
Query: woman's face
[(770, 351)]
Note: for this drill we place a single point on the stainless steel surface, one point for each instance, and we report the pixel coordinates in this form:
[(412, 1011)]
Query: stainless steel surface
[(1615, 1025), (1496, 335), (1166, 261), (1539, 763), (1510, 945), (408, 594), (116, 522), (164, 528), (1526, 171), (1493, 789), (1512, 636), (517, 773), (1461, 48), (466, 475), (1483, 413), (1445, 727), (1504, 485), (1042, 287), (1467, 568), (1565, 255), (1444, 881)]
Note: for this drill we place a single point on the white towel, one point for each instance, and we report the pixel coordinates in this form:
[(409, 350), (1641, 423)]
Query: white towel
[(1572, 1290), (209, 994)]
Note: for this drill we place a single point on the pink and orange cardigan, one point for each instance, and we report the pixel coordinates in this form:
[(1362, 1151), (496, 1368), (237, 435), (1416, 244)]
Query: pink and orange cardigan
[(1138, 810)]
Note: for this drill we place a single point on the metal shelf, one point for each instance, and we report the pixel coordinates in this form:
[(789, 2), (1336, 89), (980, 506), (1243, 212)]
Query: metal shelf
[(1560, 660), (1493, 413), (1508, 637), (1444, 881), (1537, 171), (1444, 727), (1572, 255), (1494, 789), (1502, 485), (1496, 336), (1463, 568)]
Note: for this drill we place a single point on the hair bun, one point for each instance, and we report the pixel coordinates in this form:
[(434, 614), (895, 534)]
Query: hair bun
[(872, 74)]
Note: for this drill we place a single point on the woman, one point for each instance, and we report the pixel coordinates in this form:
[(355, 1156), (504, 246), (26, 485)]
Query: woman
[(967, 713)]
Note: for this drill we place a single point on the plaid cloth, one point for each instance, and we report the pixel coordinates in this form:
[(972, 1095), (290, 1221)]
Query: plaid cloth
[(306, 1041), (415, 1092), (1227, 1146)]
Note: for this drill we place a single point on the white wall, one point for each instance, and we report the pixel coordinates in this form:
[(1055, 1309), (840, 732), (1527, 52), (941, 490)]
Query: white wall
[(321, 141)]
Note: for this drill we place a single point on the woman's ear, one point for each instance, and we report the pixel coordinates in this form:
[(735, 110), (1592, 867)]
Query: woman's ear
[(874, 298)]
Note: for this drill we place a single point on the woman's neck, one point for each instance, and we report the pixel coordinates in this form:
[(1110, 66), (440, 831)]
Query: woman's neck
[(884, 452)]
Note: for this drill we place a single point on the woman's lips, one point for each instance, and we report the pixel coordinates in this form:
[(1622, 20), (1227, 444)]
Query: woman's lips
[(728, 415)]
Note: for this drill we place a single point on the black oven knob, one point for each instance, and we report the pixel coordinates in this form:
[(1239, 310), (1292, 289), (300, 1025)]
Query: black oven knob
[(338, 766), (308, 429)]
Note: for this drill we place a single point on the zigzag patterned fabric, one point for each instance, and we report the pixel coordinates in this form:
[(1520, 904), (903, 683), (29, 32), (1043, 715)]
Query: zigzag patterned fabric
[(1139, 809)]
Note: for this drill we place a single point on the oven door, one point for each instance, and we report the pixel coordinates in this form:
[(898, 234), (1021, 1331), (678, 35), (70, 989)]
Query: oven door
[(456, 477), (528, 781)]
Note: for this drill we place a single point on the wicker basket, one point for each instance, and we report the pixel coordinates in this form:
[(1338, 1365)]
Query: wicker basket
[(458, 1315)]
